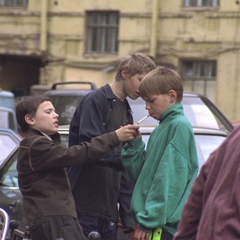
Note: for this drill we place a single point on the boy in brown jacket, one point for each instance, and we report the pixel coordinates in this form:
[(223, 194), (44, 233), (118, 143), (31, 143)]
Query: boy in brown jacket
[(47, 199)]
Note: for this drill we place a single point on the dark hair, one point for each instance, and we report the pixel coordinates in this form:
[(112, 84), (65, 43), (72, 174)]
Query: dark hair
[(136, 63), (28, 105), (161, 81)]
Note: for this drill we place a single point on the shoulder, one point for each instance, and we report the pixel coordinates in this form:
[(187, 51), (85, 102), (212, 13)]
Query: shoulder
[(33, 143), (100, 92)]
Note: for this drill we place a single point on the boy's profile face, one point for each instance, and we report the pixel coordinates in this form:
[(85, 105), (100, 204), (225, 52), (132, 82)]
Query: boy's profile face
[(131, 84), (45, 119), (158, 104)]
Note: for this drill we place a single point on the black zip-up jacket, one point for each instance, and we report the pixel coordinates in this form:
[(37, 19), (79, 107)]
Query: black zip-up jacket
[(106, 183), (42, 177)]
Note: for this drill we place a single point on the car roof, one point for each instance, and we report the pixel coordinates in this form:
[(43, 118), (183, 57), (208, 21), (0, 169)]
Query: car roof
[(67, 92), (91, 84), (80, 88), (192, 94)]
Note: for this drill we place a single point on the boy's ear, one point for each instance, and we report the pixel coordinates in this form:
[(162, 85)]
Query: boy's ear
[(29, 120), (124, 73), (172, 95)]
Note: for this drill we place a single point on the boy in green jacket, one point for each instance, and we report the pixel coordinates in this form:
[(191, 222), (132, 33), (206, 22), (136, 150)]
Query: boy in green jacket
[(165, 170)]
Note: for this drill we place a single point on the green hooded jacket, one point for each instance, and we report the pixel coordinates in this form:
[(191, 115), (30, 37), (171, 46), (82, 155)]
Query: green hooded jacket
[(163, 171)]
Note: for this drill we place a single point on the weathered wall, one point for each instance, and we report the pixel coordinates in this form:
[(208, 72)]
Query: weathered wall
[(54, 33)]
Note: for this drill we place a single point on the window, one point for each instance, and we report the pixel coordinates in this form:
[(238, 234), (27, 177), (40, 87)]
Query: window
[(10, 174), (199, 77), (13, 3), (102, 32), (201, 3)]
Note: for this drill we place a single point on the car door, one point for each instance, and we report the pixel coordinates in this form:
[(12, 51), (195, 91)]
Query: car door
[(10, 195)]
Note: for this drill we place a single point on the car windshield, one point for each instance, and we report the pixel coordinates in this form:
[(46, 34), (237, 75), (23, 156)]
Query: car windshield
[(202, 115)]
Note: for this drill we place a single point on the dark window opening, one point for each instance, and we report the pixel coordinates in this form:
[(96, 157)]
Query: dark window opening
[(102, 32)]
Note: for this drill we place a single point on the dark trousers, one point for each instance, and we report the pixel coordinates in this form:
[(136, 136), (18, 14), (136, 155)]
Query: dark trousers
[(56, 228), (166, 235), (107, 230)]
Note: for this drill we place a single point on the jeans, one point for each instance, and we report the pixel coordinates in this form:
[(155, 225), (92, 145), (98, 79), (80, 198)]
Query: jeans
[(107, 230)]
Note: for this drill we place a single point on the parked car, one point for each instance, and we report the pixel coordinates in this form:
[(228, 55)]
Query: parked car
[(198, 109), (10, 197)]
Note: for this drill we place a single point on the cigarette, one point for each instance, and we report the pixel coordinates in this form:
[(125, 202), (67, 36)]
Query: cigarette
[(142, 119)]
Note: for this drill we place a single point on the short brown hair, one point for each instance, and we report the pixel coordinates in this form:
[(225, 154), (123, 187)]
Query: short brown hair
[(160, 81), (28, 105), (136, 63)]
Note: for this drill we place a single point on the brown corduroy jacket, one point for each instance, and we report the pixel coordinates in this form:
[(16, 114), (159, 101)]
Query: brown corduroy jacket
[(42, 176)]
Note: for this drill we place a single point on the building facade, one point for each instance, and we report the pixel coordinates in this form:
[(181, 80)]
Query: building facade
[(42, 42)]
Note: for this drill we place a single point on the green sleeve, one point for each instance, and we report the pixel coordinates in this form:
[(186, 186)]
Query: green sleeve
[(133, 157)]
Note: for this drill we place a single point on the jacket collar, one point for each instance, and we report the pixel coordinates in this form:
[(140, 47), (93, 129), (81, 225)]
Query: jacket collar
[(175, 109), (111, 96)]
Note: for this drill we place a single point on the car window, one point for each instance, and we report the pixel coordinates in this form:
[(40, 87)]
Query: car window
[(66, 102), (8, 119), (7, 146), (65, 107), (198, 113), (10, 175)]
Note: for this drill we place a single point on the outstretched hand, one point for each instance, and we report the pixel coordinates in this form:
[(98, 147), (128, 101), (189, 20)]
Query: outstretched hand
[(128, 132)]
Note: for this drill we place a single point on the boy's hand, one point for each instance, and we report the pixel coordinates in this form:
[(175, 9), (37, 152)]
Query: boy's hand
[(141, 235), (128, 132), (125, 229), (138, 134)]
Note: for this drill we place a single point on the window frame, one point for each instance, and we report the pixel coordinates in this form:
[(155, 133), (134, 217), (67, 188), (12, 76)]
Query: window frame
[(14, 3), (102, 32), (200, 76), (209, 67), (201, 3)]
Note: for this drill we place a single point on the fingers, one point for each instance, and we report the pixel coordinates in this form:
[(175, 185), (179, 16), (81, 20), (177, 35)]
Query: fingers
[(132, 126), (134, 131), (141, 235), (128, 132)]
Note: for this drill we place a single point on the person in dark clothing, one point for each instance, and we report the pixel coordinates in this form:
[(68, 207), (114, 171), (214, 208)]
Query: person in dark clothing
[(212, 210), (103, 202), (47, 199)]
